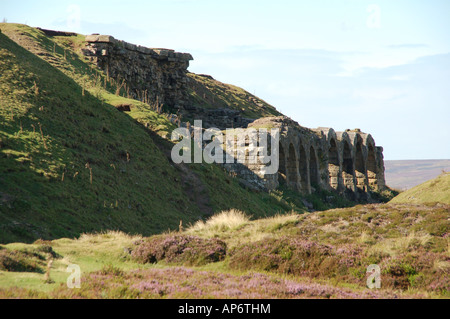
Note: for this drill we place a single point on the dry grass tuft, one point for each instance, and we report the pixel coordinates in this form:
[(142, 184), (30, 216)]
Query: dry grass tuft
[(224, 221)]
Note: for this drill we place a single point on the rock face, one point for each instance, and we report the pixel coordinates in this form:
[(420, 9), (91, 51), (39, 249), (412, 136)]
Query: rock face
[(150, 74)]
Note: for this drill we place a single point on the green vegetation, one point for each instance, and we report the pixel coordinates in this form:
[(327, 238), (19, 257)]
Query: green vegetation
[(180, 249), (206, 92), (90, 252), (318, 255), (73, 159), (26, 260), (433, 191), (68, 156)]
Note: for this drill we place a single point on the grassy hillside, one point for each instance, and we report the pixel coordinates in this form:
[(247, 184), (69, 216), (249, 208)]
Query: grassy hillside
[(318, 255), (206, 92), (70, 162), (435, 190)]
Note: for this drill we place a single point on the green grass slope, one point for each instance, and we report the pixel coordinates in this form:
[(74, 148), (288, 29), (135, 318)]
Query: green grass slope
[(70, 162), (435, 190), (206, 92)]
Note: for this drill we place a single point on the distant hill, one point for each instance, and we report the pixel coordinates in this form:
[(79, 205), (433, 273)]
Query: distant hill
[(406, 174), (435, 190)]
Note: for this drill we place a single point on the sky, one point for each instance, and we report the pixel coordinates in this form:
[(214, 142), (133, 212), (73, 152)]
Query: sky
[(380, 66)]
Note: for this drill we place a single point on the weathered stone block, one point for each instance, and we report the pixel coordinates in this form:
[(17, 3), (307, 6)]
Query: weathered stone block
[(144, 50), (100, 38), (146, 77), (129, 46)]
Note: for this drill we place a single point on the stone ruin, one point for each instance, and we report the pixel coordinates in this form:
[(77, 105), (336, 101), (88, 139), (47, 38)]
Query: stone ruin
[(157, 74), (346, 162)]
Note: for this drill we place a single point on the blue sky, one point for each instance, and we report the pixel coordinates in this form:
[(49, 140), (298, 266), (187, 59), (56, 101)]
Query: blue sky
[(381, 66)]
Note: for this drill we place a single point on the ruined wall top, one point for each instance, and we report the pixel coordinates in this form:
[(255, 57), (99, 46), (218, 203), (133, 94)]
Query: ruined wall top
[(157, 53), (154, 76)]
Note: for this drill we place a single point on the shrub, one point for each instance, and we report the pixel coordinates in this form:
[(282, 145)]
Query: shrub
[(17, 261), (44, 249), (111, 270), (179, 249), (439, 228), (397, 274), (289, 255), (26, 260), (416, 269)]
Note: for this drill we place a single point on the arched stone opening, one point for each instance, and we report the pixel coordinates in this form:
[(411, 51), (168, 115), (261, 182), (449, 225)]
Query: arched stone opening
[(313, 168), (347, 167), (282, 166), (303, 166), (372, 168), (292, 175), (360, 167), (333, 165)]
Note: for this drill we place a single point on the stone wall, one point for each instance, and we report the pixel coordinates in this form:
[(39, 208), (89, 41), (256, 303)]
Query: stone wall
[(155, 75), (346, 162), (217, 118)]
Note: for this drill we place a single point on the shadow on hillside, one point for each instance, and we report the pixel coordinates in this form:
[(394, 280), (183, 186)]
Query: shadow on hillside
[(36, 205)]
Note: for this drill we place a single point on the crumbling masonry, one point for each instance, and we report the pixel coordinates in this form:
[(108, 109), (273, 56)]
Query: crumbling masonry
[(347, 162)]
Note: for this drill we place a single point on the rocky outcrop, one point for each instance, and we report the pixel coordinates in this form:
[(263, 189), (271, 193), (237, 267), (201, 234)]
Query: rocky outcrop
[(153, 75)]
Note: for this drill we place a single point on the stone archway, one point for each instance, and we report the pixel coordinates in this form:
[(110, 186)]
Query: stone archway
[(347, 167), (282, 166), (303, 168), (360, 167), (372, 167), (313, 168), (292, 175), (333, 165)]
